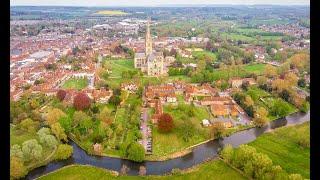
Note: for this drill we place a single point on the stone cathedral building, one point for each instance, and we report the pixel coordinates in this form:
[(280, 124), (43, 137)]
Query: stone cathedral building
[(150, 62)]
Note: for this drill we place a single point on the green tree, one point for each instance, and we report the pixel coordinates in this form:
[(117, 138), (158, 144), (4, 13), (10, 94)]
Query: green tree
[(48, 141), (79, 116), (217, 129), (64, 151), (15, 151), (31, 150), (17, 168), (227, 153), (44, 131), (260, 117), (58, 131), (136, 152), (29, 125), (54, 115), (66, 123), (261, 164), (295, 177), (280, 108), (243, 155)]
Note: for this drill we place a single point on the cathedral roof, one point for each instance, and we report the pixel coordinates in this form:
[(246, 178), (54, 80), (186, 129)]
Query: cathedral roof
[(140, 55)]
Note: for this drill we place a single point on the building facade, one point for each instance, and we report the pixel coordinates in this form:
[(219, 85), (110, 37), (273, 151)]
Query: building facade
[(149, 62)]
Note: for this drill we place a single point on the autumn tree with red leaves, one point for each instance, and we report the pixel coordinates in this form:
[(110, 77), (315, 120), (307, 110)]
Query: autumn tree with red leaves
[(165, 123), (61, 94), (81, 101)]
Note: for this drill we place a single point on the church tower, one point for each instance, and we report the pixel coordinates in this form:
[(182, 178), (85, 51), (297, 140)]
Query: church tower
[(148, 39)]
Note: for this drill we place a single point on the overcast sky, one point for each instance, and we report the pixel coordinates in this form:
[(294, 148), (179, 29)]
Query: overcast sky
[(151, 2)]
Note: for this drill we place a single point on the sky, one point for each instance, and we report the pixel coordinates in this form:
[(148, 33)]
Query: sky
[(151, 2)]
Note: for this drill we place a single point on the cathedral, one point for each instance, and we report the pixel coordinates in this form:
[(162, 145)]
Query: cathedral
[(149, 62)]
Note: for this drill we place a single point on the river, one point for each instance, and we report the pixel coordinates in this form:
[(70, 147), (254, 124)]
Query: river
[(198, 155)]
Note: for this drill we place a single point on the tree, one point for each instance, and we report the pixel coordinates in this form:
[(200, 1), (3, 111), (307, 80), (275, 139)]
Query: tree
[(165, 123), (136, 152), (58, 131), (81, 101), (44, 131), (302, 83), (243, 155), (245, 85), (285, 95), (300, 60), (270, 71), (260, 117), (29, 125), (291, 78), (280, 108), (17, 168), (261, 164), (66, 123), (261, 80), (61, 94), (248, 101), (79, 116), (115, 100), (227, 153), (48, 141), (187, 131), (15, 151), (142, 170), (279, 85), (54, 115), (64, 151), (31, 150), (304, 107), (217, 129)]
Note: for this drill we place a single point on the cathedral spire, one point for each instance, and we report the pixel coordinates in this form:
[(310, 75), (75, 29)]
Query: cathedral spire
[(148, 39)]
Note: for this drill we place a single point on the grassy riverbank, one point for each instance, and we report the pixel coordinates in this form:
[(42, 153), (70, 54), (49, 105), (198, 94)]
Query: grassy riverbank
[(215, 169), (288, 147)]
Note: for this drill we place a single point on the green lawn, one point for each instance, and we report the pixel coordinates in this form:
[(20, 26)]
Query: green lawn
[(119, 66), (19, 136), (75, 83), (163, 147), (214, 169), (199, 54), (255, 68), (282, 147)]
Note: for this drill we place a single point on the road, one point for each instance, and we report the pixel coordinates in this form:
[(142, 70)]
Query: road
[(144, 127)]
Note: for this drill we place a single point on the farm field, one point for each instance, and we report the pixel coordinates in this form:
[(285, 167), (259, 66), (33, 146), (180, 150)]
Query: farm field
[(111, 13), (75, 83), (282, 146), (215, 169)]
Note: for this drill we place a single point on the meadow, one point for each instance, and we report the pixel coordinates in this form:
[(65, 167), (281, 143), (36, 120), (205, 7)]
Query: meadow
[(284, 147), (215, 169)]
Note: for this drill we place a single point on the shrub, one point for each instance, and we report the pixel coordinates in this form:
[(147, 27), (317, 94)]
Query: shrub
[(227, 153), (136, 152), (81, 101), (15, 151), (64, 151), (29, 125), (17, 168), (165, 123), (48, 140), (61, 94)]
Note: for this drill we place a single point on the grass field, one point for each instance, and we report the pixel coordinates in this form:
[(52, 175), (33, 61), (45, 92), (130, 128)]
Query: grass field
[(282, 147), (75, 83), (215, 169), (163, 147), (111, 13), (255, 68), (199, 54), (119, 66)]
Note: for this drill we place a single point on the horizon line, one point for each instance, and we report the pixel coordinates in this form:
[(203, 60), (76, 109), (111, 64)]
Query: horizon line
[(161, 5)]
